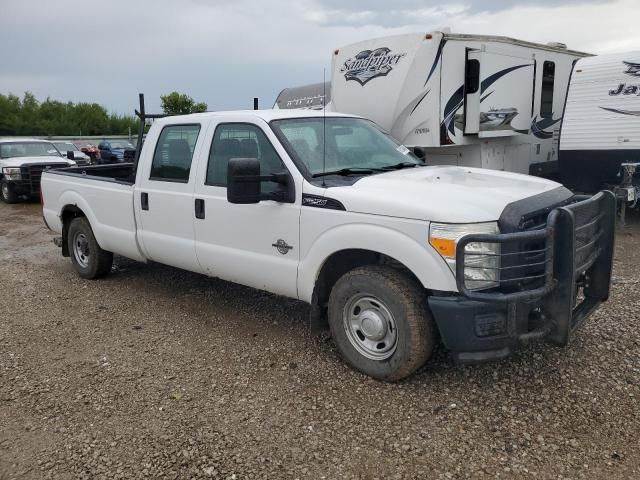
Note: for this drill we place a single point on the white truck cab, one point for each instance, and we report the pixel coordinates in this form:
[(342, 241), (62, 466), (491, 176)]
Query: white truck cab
[(22, 162), (333, 211)]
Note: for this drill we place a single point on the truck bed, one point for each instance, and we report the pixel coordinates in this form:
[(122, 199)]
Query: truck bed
[(119, 172), (104, 194)]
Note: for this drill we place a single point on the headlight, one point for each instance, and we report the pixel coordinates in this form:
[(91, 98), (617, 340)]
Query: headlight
[(12, 173), (483, 259)]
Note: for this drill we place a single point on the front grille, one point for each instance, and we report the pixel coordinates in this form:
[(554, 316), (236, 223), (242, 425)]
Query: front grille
[(589, 235), (32, 174), (526, 264), (129, 155), (541, 249)]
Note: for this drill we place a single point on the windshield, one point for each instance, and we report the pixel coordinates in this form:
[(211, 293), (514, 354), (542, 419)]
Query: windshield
[(350, 143), (27, 149), (120, 144), (66, 146)]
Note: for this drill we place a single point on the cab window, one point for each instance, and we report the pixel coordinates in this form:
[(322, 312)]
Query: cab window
[(174, 153), (241, 140)]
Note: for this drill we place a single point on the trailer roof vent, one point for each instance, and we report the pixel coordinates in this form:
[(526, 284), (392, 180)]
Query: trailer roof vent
[(557, 45)]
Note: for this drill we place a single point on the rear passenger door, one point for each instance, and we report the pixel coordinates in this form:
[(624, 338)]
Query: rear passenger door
[(257, 244), (164, 197)]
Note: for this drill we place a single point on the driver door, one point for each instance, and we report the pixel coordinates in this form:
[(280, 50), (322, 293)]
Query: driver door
[(256, 244)]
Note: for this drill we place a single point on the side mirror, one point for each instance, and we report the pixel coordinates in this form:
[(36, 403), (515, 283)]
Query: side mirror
[(70, 155), (243, 180)]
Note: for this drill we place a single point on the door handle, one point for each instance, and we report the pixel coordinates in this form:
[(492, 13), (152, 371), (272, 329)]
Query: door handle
[(144, 200), (199, 208)]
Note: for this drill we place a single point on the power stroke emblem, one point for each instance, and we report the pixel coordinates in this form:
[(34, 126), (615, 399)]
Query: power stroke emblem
[(370, 64), (282, 246), (314, 201)]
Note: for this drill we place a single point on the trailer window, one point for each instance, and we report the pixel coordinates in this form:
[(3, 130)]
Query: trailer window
[(472, 77), (241, 140), (546, 95), (174, 153)]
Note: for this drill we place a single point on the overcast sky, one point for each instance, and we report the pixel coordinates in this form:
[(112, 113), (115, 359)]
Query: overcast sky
[(225, 52)]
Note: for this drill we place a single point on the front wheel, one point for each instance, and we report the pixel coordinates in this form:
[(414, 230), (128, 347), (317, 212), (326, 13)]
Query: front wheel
[(88, 259), (380, 322)]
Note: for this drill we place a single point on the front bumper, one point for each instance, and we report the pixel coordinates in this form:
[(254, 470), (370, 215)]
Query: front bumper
[(546, 291), (29, 183), (22, 187)]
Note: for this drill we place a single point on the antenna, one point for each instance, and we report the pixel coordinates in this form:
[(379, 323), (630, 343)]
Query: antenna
[(324, 122)]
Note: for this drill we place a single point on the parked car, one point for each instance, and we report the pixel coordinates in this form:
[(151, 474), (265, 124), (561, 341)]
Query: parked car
[(113, 151), (78, 156), (22, 162), (91, 150), (334, 212)]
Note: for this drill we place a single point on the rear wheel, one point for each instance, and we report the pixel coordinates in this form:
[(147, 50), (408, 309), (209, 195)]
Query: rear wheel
[(7, 193), (88, 259), (380, 322)]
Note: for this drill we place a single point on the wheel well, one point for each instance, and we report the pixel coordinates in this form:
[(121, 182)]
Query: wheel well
[(344, 261), (69, 212)]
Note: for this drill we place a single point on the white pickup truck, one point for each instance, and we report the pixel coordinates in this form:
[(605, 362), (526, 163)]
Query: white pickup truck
[(22, 161), (393, 253)]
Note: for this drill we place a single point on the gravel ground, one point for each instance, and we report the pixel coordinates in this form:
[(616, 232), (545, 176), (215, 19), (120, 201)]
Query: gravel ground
[(158, 373)]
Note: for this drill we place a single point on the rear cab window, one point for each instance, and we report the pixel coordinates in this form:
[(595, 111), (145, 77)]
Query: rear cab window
[(173, 155)]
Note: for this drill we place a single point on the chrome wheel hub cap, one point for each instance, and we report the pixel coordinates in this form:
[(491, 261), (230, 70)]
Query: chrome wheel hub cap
[(81, 249), (370, 327)]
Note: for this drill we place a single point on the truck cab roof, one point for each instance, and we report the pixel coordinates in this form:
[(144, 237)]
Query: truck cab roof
[(266, 115)]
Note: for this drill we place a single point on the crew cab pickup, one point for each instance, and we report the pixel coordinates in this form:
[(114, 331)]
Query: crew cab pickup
[(392, 253), (22, 162)]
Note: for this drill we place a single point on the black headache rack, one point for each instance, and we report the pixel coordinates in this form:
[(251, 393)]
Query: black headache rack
[(32, 173), (559, 271), (134, 155)]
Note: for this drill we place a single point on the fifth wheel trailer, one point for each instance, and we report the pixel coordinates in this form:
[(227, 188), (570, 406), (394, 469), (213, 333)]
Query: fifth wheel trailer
[(601, 127), (468, 100)]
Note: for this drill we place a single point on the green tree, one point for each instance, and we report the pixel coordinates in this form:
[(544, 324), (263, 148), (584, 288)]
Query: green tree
[(28, 116), (30, 109), (180, 104), (91, 118), (10, 114)]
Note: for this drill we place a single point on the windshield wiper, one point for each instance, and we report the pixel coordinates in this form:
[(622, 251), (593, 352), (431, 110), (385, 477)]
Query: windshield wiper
[(401, 165), (348, 171)]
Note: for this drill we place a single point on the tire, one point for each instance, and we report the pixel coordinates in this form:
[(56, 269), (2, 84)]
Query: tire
[(88, 259), (7, 193), (389, 310)]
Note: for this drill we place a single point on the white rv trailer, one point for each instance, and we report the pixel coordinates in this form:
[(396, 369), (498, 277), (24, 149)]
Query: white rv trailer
[(469, 100), (601, 125)]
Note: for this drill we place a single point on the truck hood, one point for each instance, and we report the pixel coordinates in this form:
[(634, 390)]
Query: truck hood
[(440, 193), (20, 161)]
